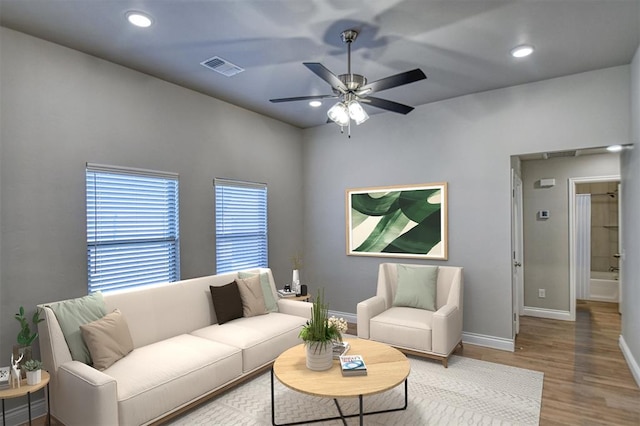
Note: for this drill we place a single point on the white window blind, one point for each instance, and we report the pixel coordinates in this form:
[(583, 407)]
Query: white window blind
[(241, 225), (132, 227)]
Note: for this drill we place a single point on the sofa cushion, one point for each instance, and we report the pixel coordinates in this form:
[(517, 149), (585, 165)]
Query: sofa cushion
[(261, 338), (417, 287), (159, 377), (108, 339), (226, 302), (269, 301), (73, 313), (404, 327), (251, 295)]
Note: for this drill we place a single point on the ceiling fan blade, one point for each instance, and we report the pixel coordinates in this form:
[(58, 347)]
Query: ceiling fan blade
[(322, 72), (386, 104), (392, 81), (302, 98)]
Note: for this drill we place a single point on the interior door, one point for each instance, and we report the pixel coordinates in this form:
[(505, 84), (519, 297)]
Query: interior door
[(517, 278)]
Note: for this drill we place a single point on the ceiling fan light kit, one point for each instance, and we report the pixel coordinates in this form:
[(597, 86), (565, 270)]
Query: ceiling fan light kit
[(352, 90)]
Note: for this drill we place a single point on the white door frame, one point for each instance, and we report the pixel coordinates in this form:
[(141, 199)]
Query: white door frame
[(517, 276), (572, 233)]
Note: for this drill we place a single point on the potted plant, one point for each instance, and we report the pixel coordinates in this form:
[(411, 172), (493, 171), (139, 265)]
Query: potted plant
[(33, 368), (26, 336), (319, 334)]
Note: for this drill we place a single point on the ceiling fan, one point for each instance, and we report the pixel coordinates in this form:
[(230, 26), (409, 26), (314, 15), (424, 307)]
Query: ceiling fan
[(352, 89)]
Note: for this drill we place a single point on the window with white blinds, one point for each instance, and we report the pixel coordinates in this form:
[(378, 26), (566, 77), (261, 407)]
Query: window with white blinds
[(241, 225), (132, 227)]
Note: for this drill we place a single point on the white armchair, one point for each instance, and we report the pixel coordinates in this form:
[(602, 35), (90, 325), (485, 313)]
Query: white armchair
[(433, 334)]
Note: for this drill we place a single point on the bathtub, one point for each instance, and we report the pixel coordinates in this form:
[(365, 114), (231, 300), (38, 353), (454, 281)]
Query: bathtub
[(604, 286)]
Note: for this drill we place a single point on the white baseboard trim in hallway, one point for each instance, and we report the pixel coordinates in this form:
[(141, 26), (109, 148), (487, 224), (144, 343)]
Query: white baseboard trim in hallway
[(631, 362)]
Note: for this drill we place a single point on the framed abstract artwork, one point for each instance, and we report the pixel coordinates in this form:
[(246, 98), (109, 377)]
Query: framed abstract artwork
[(398, 221)]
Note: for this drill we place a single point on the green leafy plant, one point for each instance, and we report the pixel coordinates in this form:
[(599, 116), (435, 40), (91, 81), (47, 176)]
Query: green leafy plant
[(32, 365), (26, 337), (318, 332)]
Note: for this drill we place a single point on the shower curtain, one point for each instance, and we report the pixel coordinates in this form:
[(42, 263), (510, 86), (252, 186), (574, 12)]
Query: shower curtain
[(583, 245)]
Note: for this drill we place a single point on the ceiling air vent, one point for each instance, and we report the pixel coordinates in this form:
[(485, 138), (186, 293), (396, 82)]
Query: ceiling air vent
[(222, 66), (558, 154)]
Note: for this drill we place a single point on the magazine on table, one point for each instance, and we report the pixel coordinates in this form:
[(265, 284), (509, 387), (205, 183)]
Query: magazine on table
[(353, 365), (340, 348)]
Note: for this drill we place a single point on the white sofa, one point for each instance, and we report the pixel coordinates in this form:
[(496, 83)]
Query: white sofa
[(433, 334), (180, 357)]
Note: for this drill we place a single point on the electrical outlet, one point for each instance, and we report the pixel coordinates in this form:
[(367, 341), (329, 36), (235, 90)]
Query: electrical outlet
[(542, 293)]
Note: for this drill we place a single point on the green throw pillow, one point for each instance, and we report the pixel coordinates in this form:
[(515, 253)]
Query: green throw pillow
[(71, 314), (417, 287), (269, 302)]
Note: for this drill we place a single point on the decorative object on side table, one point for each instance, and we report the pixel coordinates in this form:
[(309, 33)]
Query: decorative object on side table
[(15, 371), (318, 335), (34, 371), (26, 337), (295, 278)]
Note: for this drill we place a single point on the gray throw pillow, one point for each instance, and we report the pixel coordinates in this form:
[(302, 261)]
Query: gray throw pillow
[(108, 339), (417, 287)]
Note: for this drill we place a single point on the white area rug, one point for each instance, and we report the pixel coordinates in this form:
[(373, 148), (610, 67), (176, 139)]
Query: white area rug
[(469, 392)]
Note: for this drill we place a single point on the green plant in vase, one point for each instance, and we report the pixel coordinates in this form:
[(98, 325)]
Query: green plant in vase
[(26, 337), (318, 333)]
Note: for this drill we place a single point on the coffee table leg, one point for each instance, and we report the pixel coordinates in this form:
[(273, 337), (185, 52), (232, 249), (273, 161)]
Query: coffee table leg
[(361, 411), (273, 404)]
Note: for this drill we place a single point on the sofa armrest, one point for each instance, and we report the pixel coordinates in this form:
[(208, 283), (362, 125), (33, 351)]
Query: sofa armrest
[(294, 307), (446, 329), (85, 396), (366, 310)]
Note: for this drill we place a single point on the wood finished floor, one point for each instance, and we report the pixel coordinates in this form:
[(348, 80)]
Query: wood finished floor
[(586, 379)]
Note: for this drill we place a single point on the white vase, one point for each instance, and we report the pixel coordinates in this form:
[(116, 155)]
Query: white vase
[(295, 281), (34, 377), (319, 356)]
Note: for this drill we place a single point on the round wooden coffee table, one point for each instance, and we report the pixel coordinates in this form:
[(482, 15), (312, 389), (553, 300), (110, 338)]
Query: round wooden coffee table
[(387, 368)]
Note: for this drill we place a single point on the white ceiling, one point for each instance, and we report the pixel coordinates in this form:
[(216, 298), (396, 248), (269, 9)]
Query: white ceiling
[(462, 46)]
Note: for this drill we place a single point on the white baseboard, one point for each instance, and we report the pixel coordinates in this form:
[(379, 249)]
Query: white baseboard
[(489, 341), (20, 414), (352, 318), (631, 362), (547, 313)]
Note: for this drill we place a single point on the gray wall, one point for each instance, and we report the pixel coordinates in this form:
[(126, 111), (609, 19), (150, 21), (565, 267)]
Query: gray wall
[(546, 242), (468, 142), (630, 188), (62, 108)]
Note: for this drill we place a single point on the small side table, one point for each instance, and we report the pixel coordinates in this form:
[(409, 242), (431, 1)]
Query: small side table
[(27, 390), (306, 298)]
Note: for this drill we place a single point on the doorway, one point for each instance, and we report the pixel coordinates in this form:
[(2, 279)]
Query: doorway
[(594, 234)]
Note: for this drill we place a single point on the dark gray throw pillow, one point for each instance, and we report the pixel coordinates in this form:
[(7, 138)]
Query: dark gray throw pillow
[(226, 302)]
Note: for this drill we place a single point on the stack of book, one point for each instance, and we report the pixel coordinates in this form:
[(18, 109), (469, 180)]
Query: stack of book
[(353, 365), (340, 348), (4, 378), (283, 293)]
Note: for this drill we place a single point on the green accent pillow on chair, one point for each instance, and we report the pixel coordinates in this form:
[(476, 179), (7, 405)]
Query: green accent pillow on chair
[(417, 287)]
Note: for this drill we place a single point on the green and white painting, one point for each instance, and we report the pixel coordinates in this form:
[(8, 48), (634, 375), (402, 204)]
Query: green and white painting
[(398, 221)]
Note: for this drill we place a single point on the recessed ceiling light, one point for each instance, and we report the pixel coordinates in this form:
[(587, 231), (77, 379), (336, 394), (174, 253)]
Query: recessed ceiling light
[(522, 51), (614, 148), (139, 19), (315, 104)]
